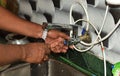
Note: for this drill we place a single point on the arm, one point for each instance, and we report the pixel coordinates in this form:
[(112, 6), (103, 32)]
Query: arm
[(32, 53), (12, 23), (9, 54)]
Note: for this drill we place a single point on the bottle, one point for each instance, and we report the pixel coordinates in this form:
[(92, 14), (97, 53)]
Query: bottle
[(116, 69)]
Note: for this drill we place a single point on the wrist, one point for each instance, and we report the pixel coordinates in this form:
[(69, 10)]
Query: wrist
[(23, 54), (37, 31), (44, 34)]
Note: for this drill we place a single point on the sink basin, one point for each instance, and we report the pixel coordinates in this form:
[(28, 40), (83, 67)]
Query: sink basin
[(54, 68), (49, 68)]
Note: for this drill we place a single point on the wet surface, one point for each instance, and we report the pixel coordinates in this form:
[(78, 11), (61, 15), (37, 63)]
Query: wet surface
[(54, 68)]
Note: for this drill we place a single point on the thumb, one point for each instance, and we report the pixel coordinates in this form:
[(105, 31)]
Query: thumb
[(63, 35), (56, 34)]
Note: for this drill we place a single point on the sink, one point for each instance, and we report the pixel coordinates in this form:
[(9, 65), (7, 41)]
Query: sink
[(54, 68), (49, 68)]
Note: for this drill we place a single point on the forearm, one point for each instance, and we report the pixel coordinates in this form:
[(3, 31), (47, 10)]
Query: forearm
[(10, 53), (12, 23)]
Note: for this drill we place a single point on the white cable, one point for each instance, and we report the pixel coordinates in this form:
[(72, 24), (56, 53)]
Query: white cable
[(71, 8), (100, 39), (103, 51), (104, 38), (104, 19), (95, 30), (102, 46), (108, 35), (93, 27), (104, 56), (84, 50), (71, 13), (116, 26)]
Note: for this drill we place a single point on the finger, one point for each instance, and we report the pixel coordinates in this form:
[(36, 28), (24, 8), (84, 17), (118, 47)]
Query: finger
[(60, 42), (63, 35), (47, 50), (45, 58), (55, 50), (54, 44), (59, 46), (57, 41), (40, 56), (58, 49), (64, 49), (71, 47)]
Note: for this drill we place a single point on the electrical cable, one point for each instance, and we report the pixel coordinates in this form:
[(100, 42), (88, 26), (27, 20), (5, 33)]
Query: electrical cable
[(96, 41), (91, 45), (71, 13), (104, 38), (102, 46), (95, 30), (108, 35), (87, 17), (104, 19)]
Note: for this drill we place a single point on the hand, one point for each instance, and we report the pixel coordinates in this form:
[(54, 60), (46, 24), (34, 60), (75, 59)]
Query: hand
[(35, 52), (55, 40)]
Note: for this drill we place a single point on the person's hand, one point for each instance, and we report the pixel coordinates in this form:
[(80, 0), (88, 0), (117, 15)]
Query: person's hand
[(35, 52), (55, 40)]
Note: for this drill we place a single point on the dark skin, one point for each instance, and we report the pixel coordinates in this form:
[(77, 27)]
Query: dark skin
[(31, 52)]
